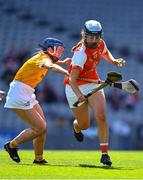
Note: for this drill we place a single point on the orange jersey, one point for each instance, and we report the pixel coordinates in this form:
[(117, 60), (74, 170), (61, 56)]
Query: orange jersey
[(87, 59), (32, 72)]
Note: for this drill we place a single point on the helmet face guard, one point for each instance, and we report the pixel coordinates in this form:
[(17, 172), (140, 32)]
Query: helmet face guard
[(91, 41), (91, 33), (55, 53), (56, 45)]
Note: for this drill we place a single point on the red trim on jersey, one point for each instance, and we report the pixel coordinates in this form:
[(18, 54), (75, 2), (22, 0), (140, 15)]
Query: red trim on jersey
[(77, 67)]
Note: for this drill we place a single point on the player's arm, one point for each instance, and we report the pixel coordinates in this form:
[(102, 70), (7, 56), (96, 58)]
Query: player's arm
[(54, 67), (78, 61), (73, 83), (66, 61), (109, 57)]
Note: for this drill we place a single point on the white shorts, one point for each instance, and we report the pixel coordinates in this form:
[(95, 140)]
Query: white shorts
[(20, 96), (85, 89)]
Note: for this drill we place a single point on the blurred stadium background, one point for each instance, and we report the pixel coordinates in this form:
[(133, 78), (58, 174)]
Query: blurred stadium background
[(22, 26)]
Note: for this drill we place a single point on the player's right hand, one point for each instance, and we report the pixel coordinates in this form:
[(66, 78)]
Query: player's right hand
[(82, 98)]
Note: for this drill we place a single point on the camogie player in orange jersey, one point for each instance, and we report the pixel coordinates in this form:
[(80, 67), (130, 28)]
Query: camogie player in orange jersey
[(21, 98), (87, 55)]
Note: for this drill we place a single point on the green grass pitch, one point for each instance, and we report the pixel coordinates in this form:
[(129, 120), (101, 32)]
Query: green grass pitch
[(73, 165)]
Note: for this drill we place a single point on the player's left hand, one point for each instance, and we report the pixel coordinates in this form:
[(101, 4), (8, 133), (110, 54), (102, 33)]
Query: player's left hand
[(119, 62)]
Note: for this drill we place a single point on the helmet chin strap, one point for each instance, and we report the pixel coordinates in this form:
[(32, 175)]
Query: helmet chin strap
[(54, 58)]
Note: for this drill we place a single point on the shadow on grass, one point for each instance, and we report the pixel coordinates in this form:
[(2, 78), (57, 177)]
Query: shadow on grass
[(78, 165), (28, 164), (104, 167)]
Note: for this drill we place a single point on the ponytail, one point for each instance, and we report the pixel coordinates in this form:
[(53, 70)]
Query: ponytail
[(78, 45)]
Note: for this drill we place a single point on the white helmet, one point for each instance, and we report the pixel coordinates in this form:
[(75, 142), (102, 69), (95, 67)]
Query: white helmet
[(92, 27)]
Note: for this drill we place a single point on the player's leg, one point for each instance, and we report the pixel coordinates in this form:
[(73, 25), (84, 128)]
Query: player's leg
[(98, 104), (39, 142), (82, 120), (37, 123), (38, 127)]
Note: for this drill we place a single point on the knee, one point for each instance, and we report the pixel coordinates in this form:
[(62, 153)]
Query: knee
[(101, 119), (85, 126), (41, 129)]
